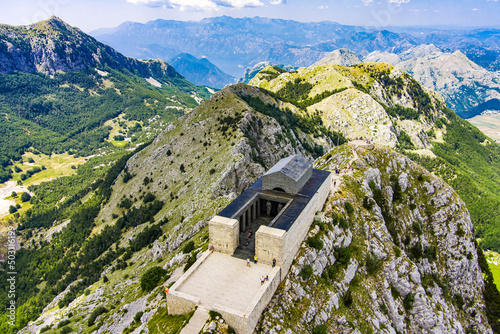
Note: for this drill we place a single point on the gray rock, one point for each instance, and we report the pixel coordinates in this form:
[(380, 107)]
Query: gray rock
[(350, 271), (311, 256), (429, 187), (372, 174), (403, 181), (212, 326), (388, 195)]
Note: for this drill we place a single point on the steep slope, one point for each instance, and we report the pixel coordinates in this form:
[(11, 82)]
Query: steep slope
[(372, 101), (342, 57), (200, 71), (468, 88), (204, 159), (171, 187), (393, 252)]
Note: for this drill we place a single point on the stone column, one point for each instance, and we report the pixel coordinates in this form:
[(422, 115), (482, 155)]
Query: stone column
[(244, 222), (252, 210)]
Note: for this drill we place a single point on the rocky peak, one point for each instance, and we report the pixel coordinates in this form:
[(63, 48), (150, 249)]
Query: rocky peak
[(370, 100), (52, 46), (342, 57)]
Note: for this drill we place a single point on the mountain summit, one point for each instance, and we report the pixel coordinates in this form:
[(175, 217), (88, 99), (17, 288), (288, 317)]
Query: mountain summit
[(52, 46)]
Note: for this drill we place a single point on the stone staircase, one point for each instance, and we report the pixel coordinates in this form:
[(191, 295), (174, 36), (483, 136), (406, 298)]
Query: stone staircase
[(197, 321)]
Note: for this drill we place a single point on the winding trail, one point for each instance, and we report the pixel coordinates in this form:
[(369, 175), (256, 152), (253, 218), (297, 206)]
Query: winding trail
[(337, 178)]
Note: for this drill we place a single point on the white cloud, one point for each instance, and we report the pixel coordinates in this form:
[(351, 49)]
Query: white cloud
[(394, 2), (277, 2), (323, 7), (475, 9), (202, 4), (398, 2)]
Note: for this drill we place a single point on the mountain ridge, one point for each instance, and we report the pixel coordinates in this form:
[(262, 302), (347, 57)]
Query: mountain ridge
[(63, 91), (467, 87), (63, 49), (229, 42)]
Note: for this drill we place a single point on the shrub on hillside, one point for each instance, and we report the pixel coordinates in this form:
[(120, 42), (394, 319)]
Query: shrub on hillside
[(97, 312), (349, 208), (321, 329), (66, 330), (151, 278), (315, 242), (149, 197), (25, 197), (189, 247), (306, 272), (372, 263), (344, 223)]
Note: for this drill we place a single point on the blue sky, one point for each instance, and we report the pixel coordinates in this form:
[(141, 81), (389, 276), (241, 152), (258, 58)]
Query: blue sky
[(94, 14)]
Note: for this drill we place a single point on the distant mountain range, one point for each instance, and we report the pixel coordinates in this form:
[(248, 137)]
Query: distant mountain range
[(237, 43), (468, 88), (200, 71)]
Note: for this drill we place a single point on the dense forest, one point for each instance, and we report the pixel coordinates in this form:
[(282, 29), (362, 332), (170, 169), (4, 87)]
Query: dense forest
[(66, 112)]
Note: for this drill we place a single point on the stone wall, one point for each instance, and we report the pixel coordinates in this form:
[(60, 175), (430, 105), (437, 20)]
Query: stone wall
[(282, 181), (269, 243), (298, 231), (245, 322), (224, 234), (181, 303)]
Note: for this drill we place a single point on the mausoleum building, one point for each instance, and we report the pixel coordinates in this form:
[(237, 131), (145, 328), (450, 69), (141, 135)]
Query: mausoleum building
[(268, 221)]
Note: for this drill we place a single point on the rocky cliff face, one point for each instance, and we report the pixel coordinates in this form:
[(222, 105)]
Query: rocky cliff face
[(196, 167), (394, 252), (468, 88), (53, 46)]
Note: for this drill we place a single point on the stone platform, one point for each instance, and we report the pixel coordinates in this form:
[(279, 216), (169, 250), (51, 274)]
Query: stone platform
[(225, 284), (225, 280)]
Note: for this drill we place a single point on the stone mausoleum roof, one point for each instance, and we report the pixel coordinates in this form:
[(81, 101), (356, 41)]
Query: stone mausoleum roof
[(294, 166), (289, 174)]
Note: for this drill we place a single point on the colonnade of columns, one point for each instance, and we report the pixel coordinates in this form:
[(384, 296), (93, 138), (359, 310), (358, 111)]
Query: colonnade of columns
[(250, 213)]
